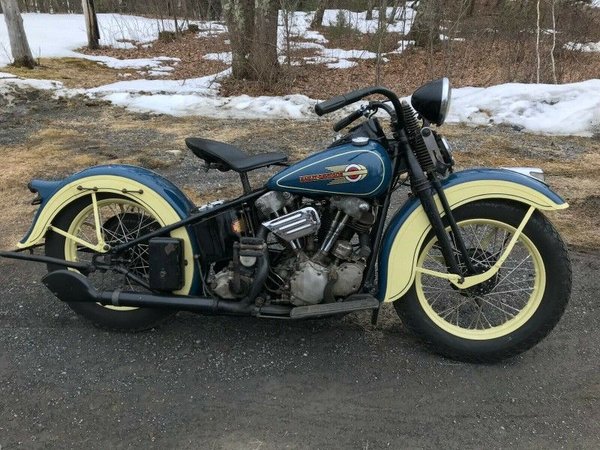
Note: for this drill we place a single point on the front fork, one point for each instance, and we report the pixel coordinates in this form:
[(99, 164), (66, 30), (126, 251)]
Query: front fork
[(422, 187), (469, 277)]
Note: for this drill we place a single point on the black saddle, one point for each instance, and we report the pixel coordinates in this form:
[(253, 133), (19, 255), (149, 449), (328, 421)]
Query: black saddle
[(228, 157)]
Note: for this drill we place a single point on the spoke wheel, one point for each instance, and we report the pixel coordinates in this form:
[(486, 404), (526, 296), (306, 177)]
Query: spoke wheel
[(495, 307), (120, 219), (506, 314)]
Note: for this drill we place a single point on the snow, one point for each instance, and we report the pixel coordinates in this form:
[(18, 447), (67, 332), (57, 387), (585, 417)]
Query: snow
[(358, 20), (138, 63), (548, 109), (583, 47), (561, 109), (239, 107), (596, 3), (57, 35), (224, 57)]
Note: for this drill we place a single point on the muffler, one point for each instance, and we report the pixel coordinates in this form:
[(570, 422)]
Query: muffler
[(70, 286)]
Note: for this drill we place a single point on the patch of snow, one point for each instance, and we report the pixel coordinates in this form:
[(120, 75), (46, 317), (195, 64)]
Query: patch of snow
[(342, 64), (224, 57), (562, 109), (239, 107), (590, 47), (358, 20), (596, 3), (347, 54), (210, 28), (305, 44), (7, 83), (138, 63)]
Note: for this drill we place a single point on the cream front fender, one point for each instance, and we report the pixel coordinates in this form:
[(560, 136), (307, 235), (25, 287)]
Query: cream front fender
[(164, 200), (409, 227)]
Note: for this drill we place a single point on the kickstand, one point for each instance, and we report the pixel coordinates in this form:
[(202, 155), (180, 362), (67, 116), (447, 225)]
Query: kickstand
[(374, 317)]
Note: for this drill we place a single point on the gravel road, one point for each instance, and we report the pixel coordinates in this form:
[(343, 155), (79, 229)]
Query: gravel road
[(241, 383)]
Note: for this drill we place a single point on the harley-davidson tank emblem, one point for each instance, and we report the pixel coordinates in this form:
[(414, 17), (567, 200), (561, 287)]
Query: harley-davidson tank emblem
[(338, 174)]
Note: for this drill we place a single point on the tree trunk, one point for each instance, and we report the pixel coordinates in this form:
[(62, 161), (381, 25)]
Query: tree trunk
[(91, 23), (425, 30), (471, 8), (317, 20), (19, 46), (239, 15), (369, 10), (263, 57)]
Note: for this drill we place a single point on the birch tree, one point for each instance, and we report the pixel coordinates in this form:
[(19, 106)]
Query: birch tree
[(91, 23), (19, 46), (317, 20)]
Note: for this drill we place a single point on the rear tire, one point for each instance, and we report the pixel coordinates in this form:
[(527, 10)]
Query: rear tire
[(57, 246), (449, 330)]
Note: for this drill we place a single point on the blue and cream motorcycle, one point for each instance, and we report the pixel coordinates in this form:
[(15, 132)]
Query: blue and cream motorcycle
[(470, 261)]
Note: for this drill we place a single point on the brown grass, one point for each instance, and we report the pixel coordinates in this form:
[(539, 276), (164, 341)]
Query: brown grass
[(73, 72)]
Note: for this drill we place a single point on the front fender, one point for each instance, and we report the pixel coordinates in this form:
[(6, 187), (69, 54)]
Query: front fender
[(408, 228), (154, 192)]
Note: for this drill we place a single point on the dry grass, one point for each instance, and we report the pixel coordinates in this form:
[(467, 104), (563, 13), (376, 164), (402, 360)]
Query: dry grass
[(73, 72)]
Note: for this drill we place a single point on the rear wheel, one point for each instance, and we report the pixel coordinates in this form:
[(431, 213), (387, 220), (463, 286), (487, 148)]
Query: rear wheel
[(121, 220), (505, 315)]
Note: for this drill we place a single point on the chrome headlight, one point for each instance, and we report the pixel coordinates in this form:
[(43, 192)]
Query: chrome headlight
[(432, 100)]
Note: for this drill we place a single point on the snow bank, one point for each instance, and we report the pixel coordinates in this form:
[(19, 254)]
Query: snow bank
[(239, 107), (563, 109)]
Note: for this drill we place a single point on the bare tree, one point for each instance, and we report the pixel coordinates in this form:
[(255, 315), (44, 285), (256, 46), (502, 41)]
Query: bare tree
[(91, 23), (425, 30), (239, 15), (253, 33), (19, 46), (317, 20), (370, 9)]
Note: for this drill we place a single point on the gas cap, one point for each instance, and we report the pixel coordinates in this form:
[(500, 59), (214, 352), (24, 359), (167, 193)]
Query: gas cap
[(360, 141)]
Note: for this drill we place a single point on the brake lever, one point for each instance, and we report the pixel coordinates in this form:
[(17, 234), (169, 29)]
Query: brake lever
[(343, 123)]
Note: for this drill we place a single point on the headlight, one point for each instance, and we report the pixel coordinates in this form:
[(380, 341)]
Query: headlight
[(432, 101)]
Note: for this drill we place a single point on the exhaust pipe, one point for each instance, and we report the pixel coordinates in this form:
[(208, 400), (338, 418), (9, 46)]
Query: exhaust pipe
[(70, 286)]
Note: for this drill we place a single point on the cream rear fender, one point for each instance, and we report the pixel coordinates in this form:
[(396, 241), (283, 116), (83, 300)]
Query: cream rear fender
[(408, 228), (152, 191)]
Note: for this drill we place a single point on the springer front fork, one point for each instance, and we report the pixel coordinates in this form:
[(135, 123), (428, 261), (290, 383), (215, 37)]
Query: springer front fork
[(467, 276)]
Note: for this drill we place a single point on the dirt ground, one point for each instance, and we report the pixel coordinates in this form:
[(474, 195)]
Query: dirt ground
[(43, 137)]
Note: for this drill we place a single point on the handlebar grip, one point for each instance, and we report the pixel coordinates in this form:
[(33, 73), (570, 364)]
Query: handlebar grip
[(343, 123), (335, 103)]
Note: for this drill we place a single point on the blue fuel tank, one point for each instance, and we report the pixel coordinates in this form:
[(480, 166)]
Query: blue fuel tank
[(357, 169)]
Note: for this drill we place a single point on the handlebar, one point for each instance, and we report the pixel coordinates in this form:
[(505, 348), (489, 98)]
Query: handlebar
[(340, 101)]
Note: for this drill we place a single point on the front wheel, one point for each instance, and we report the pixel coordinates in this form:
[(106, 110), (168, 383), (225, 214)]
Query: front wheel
[(505, 315)]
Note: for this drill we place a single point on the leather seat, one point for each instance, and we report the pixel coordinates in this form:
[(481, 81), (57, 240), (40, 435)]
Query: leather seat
[(228, 157)]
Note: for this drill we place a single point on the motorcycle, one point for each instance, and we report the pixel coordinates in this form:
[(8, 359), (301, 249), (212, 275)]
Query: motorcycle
[(469, 260)]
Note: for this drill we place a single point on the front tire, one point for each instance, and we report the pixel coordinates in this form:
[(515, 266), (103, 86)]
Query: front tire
[(505, 315), (122, 219)]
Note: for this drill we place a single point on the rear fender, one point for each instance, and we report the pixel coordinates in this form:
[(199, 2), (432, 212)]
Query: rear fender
[(154, 192), (408, 228)]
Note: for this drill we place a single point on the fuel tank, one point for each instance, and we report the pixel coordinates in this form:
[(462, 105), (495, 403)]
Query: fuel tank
[(361, 168)]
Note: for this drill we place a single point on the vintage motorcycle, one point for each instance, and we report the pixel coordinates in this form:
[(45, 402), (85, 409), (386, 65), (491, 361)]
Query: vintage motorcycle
[(470, 261)]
